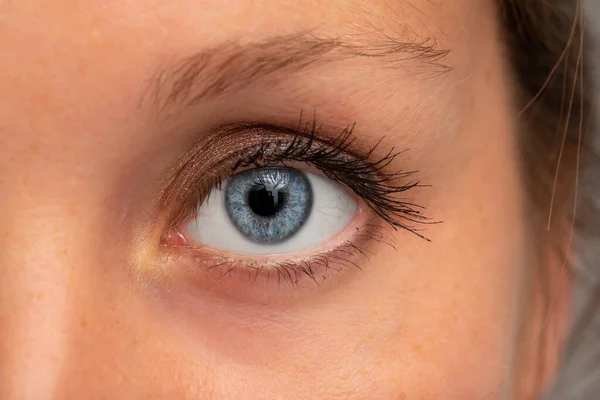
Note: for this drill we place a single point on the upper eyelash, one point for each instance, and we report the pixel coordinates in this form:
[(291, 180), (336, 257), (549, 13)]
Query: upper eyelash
[(334, 158), (369, 179)]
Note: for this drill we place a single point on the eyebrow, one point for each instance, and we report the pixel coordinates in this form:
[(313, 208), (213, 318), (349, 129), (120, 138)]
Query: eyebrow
[(232, 66)]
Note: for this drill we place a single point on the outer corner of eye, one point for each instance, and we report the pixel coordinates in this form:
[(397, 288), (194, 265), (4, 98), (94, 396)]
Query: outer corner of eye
[(269, 210)]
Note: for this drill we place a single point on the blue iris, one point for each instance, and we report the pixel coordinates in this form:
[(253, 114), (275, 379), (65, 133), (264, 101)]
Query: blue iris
[(268, 205)]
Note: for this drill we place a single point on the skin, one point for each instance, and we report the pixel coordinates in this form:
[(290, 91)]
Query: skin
[(90, 309)]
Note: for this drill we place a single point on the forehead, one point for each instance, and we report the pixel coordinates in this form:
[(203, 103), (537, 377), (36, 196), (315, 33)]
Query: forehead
[(152, 23), (79, 37), (74, 63)]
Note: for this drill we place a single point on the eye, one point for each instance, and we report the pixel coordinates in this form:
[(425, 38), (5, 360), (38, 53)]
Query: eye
[(271, 210), (308, 202)]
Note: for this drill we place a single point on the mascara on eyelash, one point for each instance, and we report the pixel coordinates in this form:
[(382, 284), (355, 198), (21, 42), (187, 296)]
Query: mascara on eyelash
[(363, 173), (273, 146), (335, 159)]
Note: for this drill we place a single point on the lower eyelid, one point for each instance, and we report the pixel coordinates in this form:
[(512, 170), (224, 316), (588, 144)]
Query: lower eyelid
[(237, 275), (350, 249)]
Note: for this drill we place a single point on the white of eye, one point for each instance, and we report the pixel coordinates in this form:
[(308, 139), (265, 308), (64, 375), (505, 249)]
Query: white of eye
[(332, 210)]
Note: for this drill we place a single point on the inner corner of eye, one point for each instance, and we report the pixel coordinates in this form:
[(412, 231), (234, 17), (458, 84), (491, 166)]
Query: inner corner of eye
[(271, 210)]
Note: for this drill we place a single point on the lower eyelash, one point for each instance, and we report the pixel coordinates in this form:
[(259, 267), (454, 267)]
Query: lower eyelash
[(369, 179), (317, 268)]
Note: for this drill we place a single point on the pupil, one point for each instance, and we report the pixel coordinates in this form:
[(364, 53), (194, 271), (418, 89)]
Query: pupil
[(266, 202)]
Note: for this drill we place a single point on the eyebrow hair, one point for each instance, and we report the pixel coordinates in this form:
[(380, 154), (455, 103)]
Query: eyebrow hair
[(232, 66)]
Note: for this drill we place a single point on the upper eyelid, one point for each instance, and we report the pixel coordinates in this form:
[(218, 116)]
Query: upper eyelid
[(225, 145), (379, 194)]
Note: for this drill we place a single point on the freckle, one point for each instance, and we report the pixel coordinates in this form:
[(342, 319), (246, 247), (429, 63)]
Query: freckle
[(83, 323), (488, 75), (417, 349), (34, 149), (405, 31)]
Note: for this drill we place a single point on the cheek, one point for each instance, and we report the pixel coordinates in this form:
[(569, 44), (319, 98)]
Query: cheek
[(426, 319)]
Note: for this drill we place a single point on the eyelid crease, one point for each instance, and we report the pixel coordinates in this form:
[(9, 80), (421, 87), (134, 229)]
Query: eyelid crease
[(224, 143)]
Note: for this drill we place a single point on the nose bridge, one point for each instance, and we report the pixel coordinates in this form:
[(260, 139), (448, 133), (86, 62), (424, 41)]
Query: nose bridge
[(37, 301)]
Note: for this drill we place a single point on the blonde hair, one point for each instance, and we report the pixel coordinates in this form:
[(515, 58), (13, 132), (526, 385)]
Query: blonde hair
[(549, 46)]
